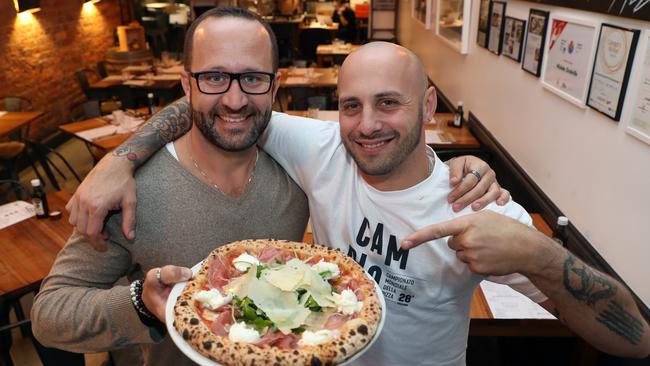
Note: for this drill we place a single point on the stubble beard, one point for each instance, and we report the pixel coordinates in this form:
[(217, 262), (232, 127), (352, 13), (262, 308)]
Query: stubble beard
[(206, 124), (404, 148)]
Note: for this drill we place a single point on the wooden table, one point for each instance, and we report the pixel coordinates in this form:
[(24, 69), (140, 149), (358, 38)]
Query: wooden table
[(164, 90), (483, 323), (460, 138), (29, 247), (28, 251), (14, 121), (312, 77), (334, 54), (315, 25), (106, 143)]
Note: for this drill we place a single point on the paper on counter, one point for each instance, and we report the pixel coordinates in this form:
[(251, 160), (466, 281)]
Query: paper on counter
[(98, 132), (2, 113), (435, 137), (15, 212), (506, 303)]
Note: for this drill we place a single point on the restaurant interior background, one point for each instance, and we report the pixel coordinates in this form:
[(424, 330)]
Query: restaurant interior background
[(571, 159)]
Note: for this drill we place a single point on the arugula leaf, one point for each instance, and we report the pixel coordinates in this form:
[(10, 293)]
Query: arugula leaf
[(312, 305), (298, 330), (252, 315), (260, 268), (327, 273)]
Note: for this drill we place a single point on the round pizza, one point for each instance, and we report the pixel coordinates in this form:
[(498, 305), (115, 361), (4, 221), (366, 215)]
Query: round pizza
[(274, 302)]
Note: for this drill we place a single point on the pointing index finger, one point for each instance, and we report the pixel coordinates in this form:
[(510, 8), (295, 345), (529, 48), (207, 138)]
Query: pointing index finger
[(435, 231)]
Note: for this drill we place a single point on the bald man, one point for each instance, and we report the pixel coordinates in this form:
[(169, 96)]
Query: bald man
[(371, 181)]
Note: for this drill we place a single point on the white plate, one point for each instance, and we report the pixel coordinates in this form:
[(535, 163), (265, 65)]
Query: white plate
[(195, 356)]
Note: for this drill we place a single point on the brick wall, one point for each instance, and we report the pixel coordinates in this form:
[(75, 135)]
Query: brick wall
[(40, 52)]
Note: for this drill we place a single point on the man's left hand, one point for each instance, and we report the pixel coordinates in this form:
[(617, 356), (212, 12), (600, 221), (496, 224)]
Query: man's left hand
[(474, 182)]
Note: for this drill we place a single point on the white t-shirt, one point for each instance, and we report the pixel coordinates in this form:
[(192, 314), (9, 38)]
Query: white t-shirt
[(428, 291)]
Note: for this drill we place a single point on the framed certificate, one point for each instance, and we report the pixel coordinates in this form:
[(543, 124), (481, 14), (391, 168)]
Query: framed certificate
[(421, 11), (452, 23), (611, 72), (497, 13), (483, 23), (513, 35), (535, 38), (639, 125), (570, 53)]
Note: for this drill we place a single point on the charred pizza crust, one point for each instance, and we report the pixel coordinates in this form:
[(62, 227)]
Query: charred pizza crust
[(355, 334)]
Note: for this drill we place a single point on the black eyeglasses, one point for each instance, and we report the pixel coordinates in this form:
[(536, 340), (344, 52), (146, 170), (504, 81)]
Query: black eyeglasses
[(219, 82)]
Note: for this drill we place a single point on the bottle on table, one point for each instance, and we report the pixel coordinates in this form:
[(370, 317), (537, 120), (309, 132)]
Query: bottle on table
[(39, 200), (458, 116), (152, 105), (560, 234)]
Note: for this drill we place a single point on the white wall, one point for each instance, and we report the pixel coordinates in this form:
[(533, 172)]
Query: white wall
[(595, 172)]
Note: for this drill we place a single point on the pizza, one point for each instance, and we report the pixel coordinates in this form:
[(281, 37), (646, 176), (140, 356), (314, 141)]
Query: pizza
[(275, 302)]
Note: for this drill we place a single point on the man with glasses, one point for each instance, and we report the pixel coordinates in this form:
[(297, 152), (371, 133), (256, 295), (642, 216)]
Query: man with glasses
[(211, 186)]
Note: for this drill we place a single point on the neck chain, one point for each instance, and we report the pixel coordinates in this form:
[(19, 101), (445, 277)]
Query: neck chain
[(205, 176)]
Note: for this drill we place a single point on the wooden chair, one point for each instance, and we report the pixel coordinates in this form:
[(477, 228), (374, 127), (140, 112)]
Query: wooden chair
[(47, 356), (13, 146)]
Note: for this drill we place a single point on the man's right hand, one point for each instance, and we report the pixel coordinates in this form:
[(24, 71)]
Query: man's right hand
[(109, 186), (158, 284)]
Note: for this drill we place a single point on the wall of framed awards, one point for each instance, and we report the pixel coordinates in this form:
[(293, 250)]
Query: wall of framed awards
[(567, 93)]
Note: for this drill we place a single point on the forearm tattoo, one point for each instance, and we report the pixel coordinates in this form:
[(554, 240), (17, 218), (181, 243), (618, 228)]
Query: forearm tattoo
[(165, 126), (590, 287)]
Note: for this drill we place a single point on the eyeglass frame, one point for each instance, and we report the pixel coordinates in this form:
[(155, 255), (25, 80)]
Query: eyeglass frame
[(232, 76)]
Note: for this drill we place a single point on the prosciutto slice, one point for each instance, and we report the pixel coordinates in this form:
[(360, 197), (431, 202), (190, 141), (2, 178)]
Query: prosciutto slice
[(279, 339), (270, 253), (224, 320), (336, 321)]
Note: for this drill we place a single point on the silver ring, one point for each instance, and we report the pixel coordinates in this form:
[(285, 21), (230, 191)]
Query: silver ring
[(476, 174), (158, 270)]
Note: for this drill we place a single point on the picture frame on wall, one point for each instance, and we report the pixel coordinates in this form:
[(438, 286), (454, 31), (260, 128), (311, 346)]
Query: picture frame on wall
[(639, 125), (535, 39), (421, 12), (452, 21), (569, 60), (513, 36), (611, 70), (497, 14), (483, 23)]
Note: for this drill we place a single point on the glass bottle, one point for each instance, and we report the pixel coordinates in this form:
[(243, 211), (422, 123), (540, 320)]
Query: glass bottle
[(458, 116), (560, 234), (39, 200)]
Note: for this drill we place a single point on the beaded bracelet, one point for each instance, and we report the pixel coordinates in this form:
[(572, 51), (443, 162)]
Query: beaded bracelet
[(136, 299)]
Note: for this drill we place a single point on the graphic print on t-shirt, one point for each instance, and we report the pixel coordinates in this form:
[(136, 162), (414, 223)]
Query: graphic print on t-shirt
[(379, 253)]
